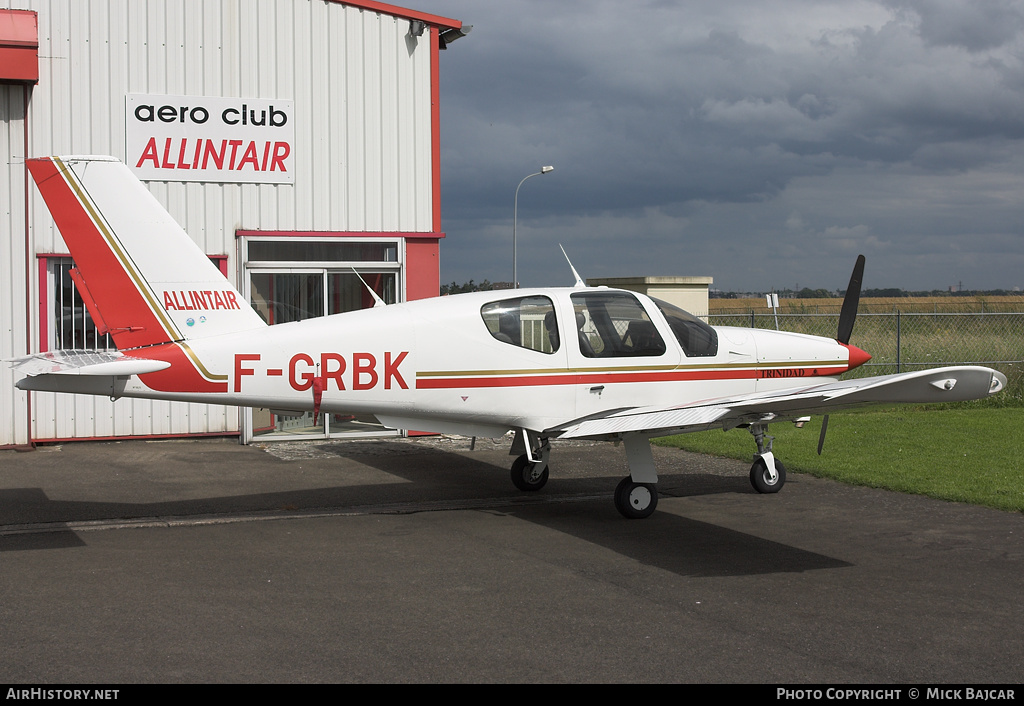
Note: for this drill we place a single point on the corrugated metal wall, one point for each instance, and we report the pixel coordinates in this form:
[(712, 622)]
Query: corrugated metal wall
[(363, 154), (13, 306)]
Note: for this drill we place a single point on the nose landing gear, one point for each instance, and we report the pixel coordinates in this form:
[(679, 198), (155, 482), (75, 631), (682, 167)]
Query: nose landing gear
[(767, 475)]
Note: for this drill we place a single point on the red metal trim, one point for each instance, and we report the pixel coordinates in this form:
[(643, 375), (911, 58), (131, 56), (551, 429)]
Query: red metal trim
[(29, 422), (44, 304), (408, 235), (404, 13), (221, 261), (19, 46), (136, 437), (435, 123)]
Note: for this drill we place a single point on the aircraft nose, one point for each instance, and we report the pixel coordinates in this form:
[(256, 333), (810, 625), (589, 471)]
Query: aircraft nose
[(857, 356)]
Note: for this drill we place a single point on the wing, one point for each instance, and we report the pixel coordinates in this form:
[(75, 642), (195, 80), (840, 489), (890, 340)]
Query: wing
[(954, 384)]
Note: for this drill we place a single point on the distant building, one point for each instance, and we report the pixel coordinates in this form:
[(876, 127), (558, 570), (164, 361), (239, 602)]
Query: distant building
[(688, 293)]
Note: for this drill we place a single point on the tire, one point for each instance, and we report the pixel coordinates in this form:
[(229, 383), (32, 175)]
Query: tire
[(760, 479), (635, 501), (522, 475)]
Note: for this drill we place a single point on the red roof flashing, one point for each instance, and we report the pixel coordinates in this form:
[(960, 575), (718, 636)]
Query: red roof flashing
[(19, 46)]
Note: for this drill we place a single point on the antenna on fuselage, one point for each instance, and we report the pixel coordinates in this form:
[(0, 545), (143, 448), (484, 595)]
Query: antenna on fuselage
[(579, 280), (377, 301)]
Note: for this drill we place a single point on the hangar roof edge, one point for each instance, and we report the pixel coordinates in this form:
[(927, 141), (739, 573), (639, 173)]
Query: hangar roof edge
[(405, 13)]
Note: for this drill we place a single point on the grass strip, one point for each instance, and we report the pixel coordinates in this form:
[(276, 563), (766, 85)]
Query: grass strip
[(963, 454)]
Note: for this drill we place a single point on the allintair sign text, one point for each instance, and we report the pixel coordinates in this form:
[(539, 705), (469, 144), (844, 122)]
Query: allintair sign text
[(203, 138)]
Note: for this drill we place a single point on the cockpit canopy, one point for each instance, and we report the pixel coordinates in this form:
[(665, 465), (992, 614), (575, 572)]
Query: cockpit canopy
[(608, 323), (696, 338)]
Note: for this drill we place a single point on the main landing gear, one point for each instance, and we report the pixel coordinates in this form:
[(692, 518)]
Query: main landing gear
[(636, 495), (530, 469), (529, 475), (635, 501)]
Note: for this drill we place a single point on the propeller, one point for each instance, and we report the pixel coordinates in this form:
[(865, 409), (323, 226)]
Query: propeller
[(847, 317), (848, 314)]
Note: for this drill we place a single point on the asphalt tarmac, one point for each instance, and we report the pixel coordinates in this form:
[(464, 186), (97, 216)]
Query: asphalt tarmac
[(417, 561)]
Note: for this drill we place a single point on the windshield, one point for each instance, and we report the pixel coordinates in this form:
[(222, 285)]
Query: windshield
[(696, 337)]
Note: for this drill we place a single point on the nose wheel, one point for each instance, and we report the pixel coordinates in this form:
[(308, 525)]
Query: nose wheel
[(763, 480)]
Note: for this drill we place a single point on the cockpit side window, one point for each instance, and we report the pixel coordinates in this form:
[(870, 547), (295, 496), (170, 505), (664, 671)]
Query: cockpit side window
[(614, 325), (526, 322), (696, 338)]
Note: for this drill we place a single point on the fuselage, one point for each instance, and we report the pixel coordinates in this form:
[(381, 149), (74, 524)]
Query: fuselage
[(490, 361)]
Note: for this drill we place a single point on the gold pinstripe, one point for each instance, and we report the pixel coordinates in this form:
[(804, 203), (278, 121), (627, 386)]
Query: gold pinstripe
[(140, 282), (633, 368)]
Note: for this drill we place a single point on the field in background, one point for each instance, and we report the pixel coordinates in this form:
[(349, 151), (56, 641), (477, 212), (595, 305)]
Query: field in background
[(964, 452), (905, 334), (957, 453), (876, 305)]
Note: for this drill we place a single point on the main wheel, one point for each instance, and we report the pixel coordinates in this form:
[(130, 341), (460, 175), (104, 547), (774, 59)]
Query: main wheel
[(525, 475), (761, 479), (635, 501)]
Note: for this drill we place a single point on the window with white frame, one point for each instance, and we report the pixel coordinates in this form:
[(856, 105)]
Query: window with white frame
[(66, 323), (70, 325)]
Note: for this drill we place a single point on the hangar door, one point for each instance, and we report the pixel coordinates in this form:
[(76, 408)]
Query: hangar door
[(294, 279)]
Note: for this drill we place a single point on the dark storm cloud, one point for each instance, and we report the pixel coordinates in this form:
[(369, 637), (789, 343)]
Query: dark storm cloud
[(755, 142), (976, 25)]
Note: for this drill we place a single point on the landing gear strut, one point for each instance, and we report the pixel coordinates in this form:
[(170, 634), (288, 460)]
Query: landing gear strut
[(767, 475), (530, 469), (529, 475), (636, 496)]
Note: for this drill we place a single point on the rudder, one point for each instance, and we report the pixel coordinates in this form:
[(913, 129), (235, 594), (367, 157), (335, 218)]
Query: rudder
[(140, 273)]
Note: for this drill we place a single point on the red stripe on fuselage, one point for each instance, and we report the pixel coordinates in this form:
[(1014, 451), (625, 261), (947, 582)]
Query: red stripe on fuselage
[(182, 376), (436, 383)]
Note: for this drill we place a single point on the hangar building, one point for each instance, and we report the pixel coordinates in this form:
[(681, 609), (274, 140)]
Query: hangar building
[(297, 141)]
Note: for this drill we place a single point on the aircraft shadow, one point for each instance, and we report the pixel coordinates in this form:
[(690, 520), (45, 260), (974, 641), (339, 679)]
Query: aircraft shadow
[(681, 545), (667, 541)]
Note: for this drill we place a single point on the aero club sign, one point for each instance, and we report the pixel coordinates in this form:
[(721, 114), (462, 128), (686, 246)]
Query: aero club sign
[(228, 140)]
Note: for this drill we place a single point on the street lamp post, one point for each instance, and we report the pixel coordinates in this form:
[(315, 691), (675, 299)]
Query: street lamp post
[(515, 214)]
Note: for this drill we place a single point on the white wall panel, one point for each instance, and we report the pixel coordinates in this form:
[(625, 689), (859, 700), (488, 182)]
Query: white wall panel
[(14, 328), (361, 93)]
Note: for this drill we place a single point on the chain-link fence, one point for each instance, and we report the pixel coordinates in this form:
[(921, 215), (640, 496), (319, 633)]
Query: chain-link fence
[(900, 342)]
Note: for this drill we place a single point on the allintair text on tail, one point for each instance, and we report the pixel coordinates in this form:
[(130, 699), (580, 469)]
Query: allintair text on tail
[(142, 278)]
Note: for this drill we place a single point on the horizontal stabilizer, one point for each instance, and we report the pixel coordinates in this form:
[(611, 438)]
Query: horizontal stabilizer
[(99, 363)]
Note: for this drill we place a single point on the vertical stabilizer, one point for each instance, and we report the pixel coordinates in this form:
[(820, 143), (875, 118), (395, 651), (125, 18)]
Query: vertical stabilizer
[(145, 276)]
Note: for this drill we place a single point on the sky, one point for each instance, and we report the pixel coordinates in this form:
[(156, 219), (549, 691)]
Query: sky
[(764, 143)]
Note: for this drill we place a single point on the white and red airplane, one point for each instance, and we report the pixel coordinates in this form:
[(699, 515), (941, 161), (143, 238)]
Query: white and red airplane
[(550, 364)]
